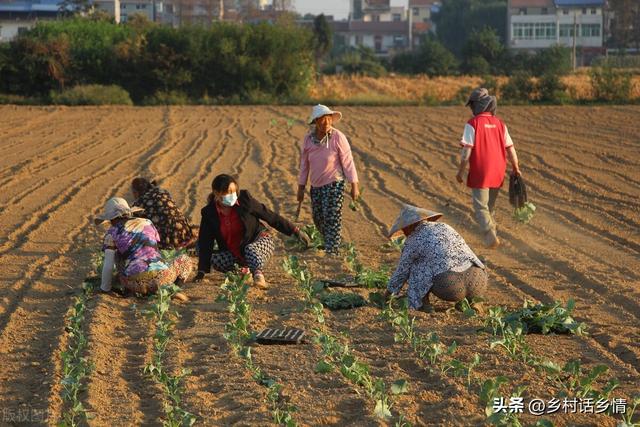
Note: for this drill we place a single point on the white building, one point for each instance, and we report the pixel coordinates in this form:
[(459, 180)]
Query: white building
[(18, 16), (539, 24)]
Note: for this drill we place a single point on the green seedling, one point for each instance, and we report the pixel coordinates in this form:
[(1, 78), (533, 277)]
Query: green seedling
[(238, 333), (75, 366), (355, 205), (160, 311), (317, 242), (394, 244), (490, 391), (365, 276), (574, 381), (525, 213), (341, 301), (335, 354), (627, 417)]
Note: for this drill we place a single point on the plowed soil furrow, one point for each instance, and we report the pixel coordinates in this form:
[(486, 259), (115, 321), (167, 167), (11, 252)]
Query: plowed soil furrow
[(61, 164)]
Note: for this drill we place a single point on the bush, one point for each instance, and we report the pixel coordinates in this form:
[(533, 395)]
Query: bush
[(361, 61), (553, 60), (167, 98), (92, 95), (519, 88), (550, 89), (610, 85), (477, 66), (431, 58), (150, 61)]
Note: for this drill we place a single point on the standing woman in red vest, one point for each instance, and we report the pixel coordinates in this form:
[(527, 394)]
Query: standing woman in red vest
[(486, 144)]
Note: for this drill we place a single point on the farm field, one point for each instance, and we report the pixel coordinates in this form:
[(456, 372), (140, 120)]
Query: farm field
[(59, 165)]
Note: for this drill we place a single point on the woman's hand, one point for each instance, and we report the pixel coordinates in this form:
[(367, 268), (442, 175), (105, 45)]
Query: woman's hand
[(199, 277), (304, 238), (386, 295), (355, 191), (300, 195), (515, 170), (460, 177)]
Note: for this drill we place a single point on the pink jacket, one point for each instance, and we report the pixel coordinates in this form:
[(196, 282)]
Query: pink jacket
[(326, 162)]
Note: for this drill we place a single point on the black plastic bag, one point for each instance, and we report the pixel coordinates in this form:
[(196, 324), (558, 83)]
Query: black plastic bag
[(517, 191)]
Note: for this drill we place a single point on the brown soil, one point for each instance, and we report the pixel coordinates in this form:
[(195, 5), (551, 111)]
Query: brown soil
[(59, 165)]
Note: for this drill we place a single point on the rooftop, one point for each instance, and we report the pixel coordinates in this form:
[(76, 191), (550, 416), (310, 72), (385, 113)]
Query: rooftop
[(569, 3)]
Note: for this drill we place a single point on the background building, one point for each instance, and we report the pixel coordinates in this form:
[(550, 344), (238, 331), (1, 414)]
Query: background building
[(539, 24)]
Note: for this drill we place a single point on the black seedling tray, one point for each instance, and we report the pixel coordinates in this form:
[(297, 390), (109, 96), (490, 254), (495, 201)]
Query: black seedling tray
[(280, 336)]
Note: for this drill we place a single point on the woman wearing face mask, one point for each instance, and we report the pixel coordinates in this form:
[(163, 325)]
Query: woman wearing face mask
[(326, 160), (232, 219), (435, 259)]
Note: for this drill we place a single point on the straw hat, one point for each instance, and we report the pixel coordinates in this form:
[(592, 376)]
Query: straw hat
[(409, 215), (115, 208), (322, 110)]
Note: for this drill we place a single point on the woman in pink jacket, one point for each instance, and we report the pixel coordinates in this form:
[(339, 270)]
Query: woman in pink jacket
[(327, 162)]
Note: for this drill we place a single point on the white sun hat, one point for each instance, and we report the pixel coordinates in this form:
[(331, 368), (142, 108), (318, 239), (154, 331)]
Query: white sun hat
[(115, 208), (410, 215), (322, 110)]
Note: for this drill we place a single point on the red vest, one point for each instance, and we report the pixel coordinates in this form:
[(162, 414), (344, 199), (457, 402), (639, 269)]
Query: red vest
[(488, 160)]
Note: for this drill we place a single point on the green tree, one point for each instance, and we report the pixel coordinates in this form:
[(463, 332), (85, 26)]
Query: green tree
[(483, 52), (430, 58), (458, 19), (322, 37)]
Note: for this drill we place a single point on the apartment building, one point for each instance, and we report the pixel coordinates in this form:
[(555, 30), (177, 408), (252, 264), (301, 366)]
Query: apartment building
[(539, 24)]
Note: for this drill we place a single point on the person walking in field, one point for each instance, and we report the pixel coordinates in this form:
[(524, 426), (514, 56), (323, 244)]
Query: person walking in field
[(131, 245), (173, 227), (486, 144), (326, 160), (435, 259), (233, 220)]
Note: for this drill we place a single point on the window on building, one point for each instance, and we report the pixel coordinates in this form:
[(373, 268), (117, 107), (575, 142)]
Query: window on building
[(594, 11), (566, 30), (22, 30), (545, 31), (590, 30), (584, 10), (358, 40), (522, 11), (397, 17), (523, 31), (544, 11), (416, 11), (375, 18), (398, 41), (565, 11)]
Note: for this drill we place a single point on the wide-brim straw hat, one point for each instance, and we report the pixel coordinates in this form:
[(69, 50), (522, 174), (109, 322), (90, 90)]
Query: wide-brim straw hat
[(409, 215), (322, 110), (114, 208)]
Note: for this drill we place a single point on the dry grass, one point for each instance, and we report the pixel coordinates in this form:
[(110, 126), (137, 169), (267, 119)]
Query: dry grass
[(425, 90)]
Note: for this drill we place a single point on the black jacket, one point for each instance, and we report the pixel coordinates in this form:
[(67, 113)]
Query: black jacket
[(251, 212)]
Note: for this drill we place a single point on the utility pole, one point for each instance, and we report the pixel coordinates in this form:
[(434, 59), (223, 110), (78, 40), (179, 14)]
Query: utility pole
[(410, 27), (575, 34), (116, 11)]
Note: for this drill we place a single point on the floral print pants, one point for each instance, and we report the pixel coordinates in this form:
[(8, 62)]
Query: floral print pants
[(326, 205), (149, 282), (256, 256)]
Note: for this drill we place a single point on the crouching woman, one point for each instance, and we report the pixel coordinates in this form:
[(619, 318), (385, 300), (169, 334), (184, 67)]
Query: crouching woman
[(131, 245), (233, 221), (435, 259)]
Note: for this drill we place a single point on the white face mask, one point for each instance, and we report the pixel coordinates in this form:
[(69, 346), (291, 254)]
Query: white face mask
[(229, 199)]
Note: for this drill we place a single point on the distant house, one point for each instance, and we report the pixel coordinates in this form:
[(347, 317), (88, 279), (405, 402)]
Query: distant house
[(539, 24), (19, 16), (385, 38), (420, 12)]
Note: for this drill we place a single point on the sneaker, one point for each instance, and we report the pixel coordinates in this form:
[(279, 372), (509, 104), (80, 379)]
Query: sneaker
[(259, 281)]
